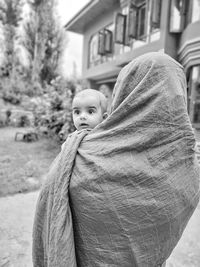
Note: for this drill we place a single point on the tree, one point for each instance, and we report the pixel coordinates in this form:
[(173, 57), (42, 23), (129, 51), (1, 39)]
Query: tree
[(43, 40), (10, 17), (53, 52)]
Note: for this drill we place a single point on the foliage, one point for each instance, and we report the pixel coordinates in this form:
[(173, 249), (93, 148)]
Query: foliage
[(11, 97), (41, 44), (10, 12), (43, 41), (54, 44), (13, 90), (10, 17), (10, 92), (34, 84), (28, 38), (53, 109)]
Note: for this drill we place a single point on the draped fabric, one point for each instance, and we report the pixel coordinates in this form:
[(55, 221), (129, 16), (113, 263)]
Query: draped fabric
[(53, 241), (132, 182)]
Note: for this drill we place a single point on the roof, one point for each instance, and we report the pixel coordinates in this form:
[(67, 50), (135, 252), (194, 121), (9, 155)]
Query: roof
[(88, 14)]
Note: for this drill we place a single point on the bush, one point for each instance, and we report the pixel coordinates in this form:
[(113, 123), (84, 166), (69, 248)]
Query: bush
[(21, 118), (9, 91), (24, 121), (5, 117), (11, 97), (2, 119), (8, 114), (53, 109)]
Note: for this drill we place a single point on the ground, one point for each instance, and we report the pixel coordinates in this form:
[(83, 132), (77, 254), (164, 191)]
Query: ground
[(16, 222), (17, 213), (16, 229), (23, 164)]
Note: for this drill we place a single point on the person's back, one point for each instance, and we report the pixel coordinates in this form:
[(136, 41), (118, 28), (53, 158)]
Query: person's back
[(133, 180)]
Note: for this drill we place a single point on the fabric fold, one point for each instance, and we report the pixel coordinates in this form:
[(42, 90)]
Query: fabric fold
[(53, 240)]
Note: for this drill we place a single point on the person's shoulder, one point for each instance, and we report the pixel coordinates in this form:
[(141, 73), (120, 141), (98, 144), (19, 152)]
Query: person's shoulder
[(74, 136), (68, 139), (73, 133)]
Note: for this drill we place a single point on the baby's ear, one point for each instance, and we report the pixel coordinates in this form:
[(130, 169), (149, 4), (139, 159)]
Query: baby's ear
[(105, 115)]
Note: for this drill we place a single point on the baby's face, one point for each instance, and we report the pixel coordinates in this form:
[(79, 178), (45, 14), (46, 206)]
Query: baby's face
[(87, 112)]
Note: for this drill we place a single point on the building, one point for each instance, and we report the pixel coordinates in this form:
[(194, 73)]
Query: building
[(116, 31)]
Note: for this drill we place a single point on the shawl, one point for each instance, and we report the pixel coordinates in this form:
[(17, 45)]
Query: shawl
[(53, 241), (122, 194)]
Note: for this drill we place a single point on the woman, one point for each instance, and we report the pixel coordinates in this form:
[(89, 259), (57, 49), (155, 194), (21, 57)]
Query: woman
[(133, 181)]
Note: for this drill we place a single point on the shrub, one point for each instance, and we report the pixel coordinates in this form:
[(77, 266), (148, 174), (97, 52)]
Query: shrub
[(53, 109), (11, 97), (24, 121), (8, 114), (21, 118), (2, 119)]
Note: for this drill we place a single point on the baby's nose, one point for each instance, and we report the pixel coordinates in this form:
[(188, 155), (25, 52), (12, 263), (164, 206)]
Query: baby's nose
[(83, 116)]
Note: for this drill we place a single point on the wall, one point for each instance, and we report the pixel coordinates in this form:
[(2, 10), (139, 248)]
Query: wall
[(101, 21)]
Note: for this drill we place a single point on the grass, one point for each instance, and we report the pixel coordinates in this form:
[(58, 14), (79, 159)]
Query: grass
[(23, 165)]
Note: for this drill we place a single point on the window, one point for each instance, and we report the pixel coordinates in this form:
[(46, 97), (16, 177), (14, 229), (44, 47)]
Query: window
[(120, 24), (141, 31), (101, 43), (196, 115), (101, 46), (94, 57), (155, 14), (194, 94), (195, 10), (108, 42), (104, 42), (131, 24), (135, 23), (177, 15)]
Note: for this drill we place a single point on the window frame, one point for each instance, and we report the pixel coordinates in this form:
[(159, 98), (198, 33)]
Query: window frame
[(101, 43), (155, 20), (120, 25), (93, 59), (193, 94), (182, 13), (143, 6), (192, 20), (131, 24), (108, 40)]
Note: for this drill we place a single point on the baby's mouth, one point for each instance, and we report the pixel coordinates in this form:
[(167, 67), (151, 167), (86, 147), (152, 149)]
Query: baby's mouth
[(84, 125)]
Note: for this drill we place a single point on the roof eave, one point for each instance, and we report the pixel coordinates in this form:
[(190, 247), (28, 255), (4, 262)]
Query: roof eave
[(88, 14), (73, 24)]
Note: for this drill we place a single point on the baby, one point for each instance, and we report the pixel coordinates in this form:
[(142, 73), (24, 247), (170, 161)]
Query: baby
[(89, 108)]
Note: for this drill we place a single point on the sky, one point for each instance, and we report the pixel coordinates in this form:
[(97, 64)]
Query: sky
[(73, 53)]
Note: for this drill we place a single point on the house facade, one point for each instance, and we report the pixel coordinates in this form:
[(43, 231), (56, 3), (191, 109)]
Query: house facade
[(117, 31)]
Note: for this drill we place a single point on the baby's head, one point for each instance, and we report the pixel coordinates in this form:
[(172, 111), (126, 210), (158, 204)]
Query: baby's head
[(89, 108)]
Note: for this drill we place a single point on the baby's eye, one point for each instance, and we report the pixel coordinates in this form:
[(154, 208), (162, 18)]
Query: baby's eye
[(91, 111), (77, 112)]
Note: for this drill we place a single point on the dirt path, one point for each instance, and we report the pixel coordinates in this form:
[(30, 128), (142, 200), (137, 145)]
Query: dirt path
[(187, 252), (16, 220)]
